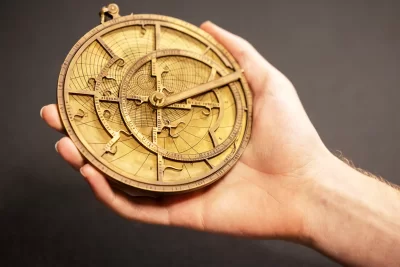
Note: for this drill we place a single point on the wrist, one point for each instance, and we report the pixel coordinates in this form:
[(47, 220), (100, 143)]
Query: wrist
[(318, 179), (301, 195), (328, 179), (335, 181), (347, 213)]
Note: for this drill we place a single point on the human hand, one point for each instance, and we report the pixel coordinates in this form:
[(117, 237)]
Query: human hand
[(264, 194)]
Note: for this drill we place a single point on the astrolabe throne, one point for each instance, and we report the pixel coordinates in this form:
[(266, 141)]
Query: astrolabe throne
[(155, 103)]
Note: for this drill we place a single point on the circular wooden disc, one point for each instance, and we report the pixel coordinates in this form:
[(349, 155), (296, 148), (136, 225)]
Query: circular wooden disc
[(155, 103)]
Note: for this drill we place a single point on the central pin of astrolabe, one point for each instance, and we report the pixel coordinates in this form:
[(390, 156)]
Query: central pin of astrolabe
[(155, 103)]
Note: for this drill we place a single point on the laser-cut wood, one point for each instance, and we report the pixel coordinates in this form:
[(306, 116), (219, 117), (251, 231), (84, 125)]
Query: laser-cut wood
[(154, 102)]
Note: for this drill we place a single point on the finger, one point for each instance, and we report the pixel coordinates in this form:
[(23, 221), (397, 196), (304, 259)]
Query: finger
[(139, 208), (51, 116), (68, 151), (256, 68), (241, 50)]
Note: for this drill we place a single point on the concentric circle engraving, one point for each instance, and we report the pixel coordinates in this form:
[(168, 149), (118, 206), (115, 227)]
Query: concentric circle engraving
[(155, 103)]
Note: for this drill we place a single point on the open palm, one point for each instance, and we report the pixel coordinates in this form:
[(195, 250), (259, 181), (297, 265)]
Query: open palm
[(261, 195)]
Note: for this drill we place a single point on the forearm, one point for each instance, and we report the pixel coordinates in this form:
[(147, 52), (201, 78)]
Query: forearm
[(354, 218)]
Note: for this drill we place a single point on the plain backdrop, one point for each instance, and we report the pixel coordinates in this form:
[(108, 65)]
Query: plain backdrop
[(342, 56)]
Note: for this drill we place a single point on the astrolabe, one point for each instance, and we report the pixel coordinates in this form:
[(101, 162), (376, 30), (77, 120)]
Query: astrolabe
[(155, 103)]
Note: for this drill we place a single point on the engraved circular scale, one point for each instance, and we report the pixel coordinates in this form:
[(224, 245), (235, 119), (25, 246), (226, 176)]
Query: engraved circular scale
[(155, 103)]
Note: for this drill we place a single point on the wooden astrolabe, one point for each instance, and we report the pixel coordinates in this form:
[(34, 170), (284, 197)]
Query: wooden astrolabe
[(154, 103)]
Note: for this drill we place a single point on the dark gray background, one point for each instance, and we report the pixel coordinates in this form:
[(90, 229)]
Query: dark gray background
[(342, 56)]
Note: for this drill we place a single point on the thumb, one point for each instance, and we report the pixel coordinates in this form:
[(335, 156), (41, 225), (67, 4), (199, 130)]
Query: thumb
[(256, 68)]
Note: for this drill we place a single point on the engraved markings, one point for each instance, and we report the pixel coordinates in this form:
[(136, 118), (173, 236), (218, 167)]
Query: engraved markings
[(82, 92), (106, 98), (139, 98), (169, 126), (226, 79), (214, 127), (206, 51), (213, 137), (161, 167), (212, 74), (157, 36), (107, 114), (143, 30), (157, 71), (109, 98), (106, 47), (155, 135), (209, 163), (160, 123), (111, 146), (202, 88), (190, 103), (80, 114)]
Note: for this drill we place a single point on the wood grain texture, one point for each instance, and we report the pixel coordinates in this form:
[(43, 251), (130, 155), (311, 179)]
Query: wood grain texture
[(155, 103)]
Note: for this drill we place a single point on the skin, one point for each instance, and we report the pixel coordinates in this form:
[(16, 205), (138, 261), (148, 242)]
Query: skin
[(286, 185)]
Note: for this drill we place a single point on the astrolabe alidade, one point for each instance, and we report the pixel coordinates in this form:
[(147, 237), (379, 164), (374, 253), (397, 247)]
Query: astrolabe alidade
[(155, 103)]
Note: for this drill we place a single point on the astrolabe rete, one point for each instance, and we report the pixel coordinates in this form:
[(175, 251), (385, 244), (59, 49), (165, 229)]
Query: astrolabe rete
[(155, 103)]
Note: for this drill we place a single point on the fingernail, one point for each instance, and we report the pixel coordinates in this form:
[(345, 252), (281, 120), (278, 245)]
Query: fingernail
[(208, 22), (56, 146), (82, 171), (41, 111)]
